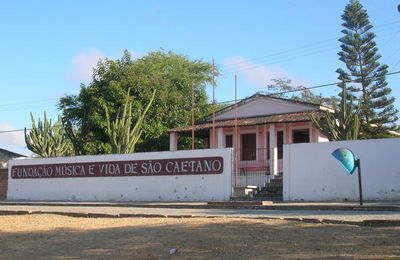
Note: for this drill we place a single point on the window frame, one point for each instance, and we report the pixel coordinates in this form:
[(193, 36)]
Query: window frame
[(250, 158), (301, 130)]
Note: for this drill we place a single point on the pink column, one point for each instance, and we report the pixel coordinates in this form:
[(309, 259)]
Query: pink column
[(260, 145)]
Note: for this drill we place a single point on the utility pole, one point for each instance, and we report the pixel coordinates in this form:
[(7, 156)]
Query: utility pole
[(213, 143), (235, 135), (193, 104)]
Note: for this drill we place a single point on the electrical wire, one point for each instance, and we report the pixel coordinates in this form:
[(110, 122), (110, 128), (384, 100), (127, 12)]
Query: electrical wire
[(254, 66), (284, 59), (271, 94), (313, 87), (322, 48), (389, 26), (14, 130)]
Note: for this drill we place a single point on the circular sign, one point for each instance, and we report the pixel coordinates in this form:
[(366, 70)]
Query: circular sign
[(346, 158)]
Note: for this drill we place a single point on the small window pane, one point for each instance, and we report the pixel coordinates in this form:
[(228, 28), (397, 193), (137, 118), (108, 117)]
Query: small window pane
[(301, 136), (249, 145), (280, 144), (228, 141)]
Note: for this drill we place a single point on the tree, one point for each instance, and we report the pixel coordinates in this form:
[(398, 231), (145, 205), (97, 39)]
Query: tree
[(170, 74), (283, 88), (47, 140), (341, 124), (122, 136), (360, 55)]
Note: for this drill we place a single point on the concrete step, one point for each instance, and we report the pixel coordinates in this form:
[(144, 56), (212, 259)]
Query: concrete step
[(266, 193), (271, 198), (241, 203)]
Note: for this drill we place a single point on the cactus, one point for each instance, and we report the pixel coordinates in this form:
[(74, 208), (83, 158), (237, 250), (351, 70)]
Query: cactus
[(122, 136), (343, 123), (47, 140), (72, 133)]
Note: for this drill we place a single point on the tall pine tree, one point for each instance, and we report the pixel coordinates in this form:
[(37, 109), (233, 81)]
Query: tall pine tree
[(360, 54)]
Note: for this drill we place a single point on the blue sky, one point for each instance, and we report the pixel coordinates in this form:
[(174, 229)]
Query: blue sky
[(49, 47)]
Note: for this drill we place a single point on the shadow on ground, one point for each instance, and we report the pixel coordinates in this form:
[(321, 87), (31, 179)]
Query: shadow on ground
[(140, 238)]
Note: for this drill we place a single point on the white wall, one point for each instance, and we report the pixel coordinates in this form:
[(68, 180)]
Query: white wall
[(203, 187), (311, 173)]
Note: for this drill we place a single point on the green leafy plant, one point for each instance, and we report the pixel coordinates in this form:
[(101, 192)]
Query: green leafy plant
[(343, 123), (123, 136), (47, 140), (171, 74), (359, 54)]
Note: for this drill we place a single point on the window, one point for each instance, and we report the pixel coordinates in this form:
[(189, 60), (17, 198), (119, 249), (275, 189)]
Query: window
[(228, 141), (301, 136), (280, 144), (248, 144)]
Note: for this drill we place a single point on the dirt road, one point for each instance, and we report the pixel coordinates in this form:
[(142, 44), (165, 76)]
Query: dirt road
[(52, 236)]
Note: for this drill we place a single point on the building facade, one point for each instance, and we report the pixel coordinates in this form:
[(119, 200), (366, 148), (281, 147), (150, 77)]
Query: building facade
[(5, 156), (264, 124)]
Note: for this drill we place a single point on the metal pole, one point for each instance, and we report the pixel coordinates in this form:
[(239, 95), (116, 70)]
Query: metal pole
[(358, 164), (236, 133), (213, 145), (192, 115)]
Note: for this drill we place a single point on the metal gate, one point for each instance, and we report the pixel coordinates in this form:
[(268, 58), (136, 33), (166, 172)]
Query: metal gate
[(251, 171)]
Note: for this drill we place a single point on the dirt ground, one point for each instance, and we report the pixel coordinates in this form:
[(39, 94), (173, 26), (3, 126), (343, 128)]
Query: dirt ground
[(52, 236)]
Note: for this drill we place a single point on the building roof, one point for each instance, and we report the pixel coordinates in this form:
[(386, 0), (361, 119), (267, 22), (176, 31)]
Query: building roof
[(260, 96), (6, 155), (259, 120), (259, 109)]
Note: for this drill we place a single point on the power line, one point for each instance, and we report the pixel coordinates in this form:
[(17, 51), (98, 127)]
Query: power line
[(273, 58), (276, 60), (314, 87), (28, 103), (330, 84), (279, 53), (391, 56), (289, 53), (271, 94), (390, 39), (14, 130), (28, 108), (254, 66), (391, 24), (397, 63)]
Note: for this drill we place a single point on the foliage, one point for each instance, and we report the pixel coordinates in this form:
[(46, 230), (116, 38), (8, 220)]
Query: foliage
[(360, 55), (282, 87), (343, 123), (47, 140), (170, 74), (122, 136), (71, 133)]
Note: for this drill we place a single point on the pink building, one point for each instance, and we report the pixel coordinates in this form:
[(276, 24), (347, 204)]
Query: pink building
[(264, 124)]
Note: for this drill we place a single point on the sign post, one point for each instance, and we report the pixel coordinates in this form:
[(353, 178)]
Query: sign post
[(346, 158)]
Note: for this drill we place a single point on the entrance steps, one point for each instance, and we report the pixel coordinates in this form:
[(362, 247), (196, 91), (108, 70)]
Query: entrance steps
[(273, 191)]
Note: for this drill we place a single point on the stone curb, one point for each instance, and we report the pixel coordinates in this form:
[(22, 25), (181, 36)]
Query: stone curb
[(211, 206), (363, 223)]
